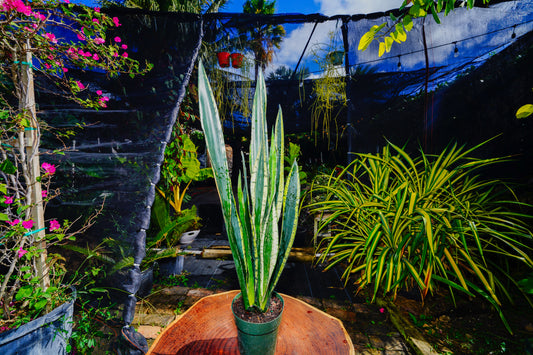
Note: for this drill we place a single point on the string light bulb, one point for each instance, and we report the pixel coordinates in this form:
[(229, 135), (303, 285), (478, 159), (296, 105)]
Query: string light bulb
[(455, 50), (399, 62), (513, 36)]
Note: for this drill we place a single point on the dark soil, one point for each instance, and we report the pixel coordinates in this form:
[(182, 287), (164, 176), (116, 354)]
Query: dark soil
[(253, 316), (473, 327)]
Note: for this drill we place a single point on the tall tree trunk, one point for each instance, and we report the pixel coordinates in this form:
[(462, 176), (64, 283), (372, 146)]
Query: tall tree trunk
[(31, 146)]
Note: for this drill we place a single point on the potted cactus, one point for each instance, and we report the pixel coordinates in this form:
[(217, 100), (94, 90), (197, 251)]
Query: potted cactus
[(259, 244)]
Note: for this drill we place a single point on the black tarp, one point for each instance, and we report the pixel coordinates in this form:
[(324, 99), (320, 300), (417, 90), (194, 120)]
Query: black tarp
[(117, 156)]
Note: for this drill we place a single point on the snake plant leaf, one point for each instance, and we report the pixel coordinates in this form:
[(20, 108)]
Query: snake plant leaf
[(259, 251), (215, 145), (291, 198)]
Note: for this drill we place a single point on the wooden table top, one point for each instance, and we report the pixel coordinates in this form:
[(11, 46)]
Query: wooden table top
[(208, 328)]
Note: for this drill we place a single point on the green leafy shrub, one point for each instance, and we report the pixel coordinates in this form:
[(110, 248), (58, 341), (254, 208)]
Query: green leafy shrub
[(400, 222)]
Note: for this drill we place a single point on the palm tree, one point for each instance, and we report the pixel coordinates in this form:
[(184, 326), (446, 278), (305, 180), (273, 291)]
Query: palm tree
[(285, 73), (262, 39)]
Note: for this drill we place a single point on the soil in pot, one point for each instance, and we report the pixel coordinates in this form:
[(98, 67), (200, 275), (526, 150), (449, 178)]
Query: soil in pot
[(273, 311)]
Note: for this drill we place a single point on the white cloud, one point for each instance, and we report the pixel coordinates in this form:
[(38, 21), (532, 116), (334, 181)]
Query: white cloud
[(352, 7)]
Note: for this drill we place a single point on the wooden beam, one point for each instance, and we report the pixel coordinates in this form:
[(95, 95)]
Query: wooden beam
[(224, 252)]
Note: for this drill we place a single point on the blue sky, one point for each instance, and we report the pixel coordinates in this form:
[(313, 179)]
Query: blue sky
[(326, 7), (282, 6)]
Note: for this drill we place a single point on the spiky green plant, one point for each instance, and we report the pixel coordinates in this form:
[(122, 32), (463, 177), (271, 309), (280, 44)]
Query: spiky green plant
[(260, 249), (401, 222)]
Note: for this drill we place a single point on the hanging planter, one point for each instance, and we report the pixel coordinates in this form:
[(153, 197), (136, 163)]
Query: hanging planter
[(335, 57), (223, 59), (236, 60)]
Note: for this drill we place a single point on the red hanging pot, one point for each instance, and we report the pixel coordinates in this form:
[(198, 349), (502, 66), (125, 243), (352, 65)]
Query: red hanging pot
[(223, 59), (236, 60)]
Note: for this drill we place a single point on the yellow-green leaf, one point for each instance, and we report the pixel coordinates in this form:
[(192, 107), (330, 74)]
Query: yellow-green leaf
[(455, 268), (388, 43), (394, 36), (381, 48), (365, 40), (24, 122), (402, 36), (408, 23), (524, 111)]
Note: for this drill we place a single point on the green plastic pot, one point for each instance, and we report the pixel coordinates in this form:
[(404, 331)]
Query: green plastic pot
[(257, 338)]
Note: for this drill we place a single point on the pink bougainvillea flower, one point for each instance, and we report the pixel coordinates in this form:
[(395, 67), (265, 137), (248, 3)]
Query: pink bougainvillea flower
[(49, 168), (27, 224), (47, 66), (381, 310), (8, 200), (105, 98), (17, 5), (66, 1), (80, 85), (14, 222), (99, 40), (99, 92), (81, 37), (54, 225), (96, 9), (96, 20), (124, 46), (117, 39), (96, 57), (38, 16), (21, 252), (51, 37), (44, 193), (65, 70), (125, 54), (116, 22)]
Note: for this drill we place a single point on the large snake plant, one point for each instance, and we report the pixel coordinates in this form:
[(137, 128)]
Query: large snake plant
[(259, 244)]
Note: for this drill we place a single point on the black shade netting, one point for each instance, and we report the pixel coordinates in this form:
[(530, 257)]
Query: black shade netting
[(115, 158)]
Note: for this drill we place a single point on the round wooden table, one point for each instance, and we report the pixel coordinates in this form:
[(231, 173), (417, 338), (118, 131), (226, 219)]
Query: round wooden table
[(208, 328)]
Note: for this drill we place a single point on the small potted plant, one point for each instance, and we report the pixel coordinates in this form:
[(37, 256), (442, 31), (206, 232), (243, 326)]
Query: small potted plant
[(236, 60), (172, 224), (223, 59), (259, 244), (180, 169)]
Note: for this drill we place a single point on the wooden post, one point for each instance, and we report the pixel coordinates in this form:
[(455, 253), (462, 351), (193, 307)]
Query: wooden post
[(31, 142)]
